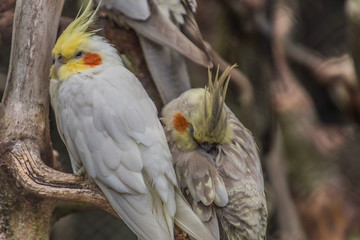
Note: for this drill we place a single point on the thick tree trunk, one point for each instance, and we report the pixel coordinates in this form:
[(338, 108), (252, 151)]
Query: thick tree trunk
[(22, 215)]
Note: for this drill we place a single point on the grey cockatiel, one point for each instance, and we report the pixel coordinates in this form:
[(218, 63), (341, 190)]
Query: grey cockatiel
[(167, 32), (216, 162)]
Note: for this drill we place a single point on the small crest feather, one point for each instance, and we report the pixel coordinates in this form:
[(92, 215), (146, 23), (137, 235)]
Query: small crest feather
[(215, 101), (76, 32)]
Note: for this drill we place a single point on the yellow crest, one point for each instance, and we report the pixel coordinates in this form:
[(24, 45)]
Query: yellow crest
[(214, 121), (76, 33)]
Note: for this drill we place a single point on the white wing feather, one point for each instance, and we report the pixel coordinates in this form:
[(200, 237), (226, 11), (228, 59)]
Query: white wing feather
[(138, 9)]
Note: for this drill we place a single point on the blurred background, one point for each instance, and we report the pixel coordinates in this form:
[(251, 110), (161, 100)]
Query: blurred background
[(298, 92)]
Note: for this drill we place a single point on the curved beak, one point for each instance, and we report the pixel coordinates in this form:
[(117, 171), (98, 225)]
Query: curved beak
[(207, 146), (58, 63)]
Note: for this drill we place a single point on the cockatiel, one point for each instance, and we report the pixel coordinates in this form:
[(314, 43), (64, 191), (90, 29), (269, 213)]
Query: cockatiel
[(216, 162), (111, 130), (167, 31)]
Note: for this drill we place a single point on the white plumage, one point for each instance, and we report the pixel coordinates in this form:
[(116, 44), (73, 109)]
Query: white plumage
[(138, 9), (110, 126)]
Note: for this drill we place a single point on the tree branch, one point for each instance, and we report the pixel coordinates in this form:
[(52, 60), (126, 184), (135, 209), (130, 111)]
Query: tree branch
[(290, 226), (44, 181)]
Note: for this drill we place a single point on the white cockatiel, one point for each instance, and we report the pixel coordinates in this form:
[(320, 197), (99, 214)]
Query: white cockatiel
[(167, 31), (111, 130)]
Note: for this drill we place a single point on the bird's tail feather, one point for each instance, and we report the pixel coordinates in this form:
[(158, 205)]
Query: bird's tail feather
[(140, 218), (188, 221)]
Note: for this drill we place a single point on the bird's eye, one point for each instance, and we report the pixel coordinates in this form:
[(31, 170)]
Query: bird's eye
[(191, 129), (59, 57), (79, 54)]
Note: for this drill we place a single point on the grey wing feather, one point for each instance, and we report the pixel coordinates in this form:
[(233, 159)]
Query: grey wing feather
[(168, 69), (139, 220), (186, 219), (245, 215), (242, 155), (207, 214), (191, 31), (161, 30), (213, 224), (138, 9), (201, 178), (201, 184)]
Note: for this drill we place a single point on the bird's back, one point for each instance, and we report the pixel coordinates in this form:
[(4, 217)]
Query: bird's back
[(245, 215)]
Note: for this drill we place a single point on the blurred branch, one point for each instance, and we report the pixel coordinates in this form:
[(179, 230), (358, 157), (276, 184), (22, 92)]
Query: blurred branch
[(327, 71), (290, 227), (6, 20), (337, 74), (250, 13), (334, 73), (6, 5), (328, 210), (352, 9)]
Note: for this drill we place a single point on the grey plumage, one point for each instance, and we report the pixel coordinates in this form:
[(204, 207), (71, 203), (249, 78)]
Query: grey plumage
[(164, 44), (222, 180), (167, 65), (240, 210)]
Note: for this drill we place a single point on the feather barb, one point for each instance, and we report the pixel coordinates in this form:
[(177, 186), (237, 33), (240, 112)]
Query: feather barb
[(76, 32), (214, 99)]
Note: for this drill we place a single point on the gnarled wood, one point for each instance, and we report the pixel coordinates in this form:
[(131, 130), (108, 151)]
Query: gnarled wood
[(46, 182)]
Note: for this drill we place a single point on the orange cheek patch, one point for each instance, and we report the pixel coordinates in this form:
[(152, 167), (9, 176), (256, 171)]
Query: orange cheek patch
[(92, 59), (179, 122)]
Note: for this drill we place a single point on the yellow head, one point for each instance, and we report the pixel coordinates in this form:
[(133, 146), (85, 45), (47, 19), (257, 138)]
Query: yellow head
[(71, 52), (197, 119)]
